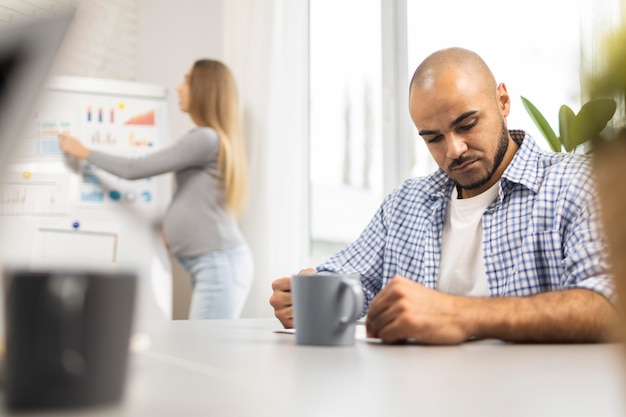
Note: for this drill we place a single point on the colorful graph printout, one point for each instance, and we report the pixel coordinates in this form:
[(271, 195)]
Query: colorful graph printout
[(145, 119)]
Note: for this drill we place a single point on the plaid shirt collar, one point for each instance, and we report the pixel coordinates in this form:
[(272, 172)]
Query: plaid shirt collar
[(525, 169)]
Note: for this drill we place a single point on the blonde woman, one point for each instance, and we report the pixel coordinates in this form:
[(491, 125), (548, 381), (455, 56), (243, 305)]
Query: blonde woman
[(211, 187)]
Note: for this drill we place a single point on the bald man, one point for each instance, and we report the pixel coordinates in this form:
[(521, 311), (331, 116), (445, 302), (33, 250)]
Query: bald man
[(503, 241)]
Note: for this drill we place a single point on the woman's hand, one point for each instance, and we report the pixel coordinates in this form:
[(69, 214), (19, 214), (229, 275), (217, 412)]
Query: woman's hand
[(164, 239), (72, 147)]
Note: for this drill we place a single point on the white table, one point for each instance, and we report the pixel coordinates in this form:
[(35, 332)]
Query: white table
[(242, 368)]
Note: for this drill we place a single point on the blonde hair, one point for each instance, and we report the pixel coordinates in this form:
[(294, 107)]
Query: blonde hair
[(214, 103)]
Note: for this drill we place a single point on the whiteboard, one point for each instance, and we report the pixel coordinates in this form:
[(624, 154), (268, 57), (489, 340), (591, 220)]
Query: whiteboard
[(56, 211)]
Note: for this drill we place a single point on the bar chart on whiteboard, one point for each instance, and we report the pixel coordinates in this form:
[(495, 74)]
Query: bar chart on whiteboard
[(41, 134), (56, 210), (125, 126)]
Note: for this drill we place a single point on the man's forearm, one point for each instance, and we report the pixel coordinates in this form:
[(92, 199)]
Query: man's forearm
[(576, 315)]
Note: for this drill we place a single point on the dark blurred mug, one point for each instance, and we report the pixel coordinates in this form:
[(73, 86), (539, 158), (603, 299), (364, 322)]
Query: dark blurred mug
[(67, 337)]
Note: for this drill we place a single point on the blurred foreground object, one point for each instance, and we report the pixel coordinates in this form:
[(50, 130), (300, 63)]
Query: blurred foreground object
[(610, 170), (27, 52), (611, 80), (67, 337), (609, 155)]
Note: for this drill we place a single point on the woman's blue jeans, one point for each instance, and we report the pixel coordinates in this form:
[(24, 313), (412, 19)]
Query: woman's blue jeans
[(221, 281)]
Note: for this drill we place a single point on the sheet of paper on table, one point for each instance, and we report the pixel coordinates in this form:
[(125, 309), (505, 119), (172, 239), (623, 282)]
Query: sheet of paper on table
[(359, 333)]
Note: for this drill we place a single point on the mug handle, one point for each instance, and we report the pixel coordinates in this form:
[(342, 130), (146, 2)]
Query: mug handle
[(353, 288)]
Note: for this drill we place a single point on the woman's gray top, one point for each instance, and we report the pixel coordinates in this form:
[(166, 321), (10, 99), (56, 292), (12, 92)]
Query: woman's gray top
[(196, 221)]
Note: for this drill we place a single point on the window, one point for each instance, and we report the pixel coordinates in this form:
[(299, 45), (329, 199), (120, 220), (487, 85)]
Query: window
[(345, 120), (536, 53)]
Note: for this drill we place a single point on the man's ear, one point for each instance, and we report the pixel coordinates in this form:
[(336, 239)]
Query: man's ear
[(504, 100)]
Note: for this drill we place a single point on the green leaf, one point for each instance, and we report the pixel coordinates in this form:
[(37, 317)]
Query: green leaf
[(566, 115), (542, 124), (592, 119)]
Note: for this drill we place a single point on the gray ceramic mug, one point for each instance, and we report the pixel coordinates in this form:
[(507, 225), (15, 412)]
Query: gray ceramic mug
[(325, 308)]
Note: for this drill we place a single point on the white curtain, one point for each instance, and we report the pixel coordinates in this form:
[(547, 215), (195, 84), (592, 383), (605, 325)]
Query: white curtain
[(266, 45)]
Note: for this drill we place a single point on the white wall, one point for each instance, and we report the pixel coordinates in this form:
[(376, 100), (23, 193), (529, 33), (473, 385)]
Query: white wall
[(171, 36)]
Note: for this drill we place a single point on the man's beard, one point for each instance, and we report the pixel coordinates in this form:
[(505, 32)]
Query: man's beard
[(503, 145)]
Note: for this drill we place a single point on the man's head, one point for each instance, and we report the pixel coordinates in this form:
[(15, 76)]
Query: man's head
[(461, 113)]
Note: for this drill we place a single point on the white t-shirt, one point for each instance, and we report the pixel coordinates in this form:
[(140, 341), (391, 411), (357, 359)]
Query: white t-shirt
[(461, 268)]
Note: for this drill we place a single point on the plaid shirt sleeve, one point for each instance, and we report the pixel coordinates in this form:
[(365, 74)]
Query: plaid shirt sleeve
[(364, 257), (399, 240)]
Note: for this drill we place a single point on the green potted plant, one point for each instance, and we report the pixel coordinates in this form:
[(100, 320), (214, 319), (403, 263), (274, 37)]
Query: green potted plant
[(574, 129)]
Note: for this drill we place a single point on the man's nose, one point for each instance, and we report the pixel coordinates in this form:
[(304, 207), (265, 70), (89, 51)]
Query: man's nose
[(456, 146)]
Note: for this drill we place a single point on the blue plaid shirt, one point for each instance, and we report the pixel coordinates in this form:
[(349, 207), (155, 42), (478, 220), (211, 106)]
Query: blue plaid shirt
[(542, 232)]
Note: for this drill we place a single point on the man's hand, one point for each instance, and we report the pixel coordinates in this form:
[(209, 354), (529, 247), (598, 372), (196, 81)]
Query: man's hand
[(281, 298), (404, 309), (407, 310)]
